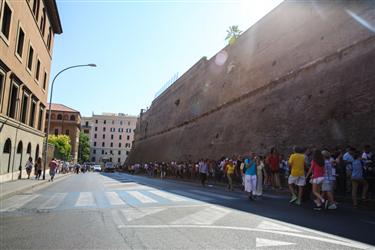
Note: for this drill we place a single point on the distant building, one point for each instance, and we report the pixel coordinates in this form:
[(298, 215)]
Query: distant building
[(27, 30), (66, 121), (111, 136)]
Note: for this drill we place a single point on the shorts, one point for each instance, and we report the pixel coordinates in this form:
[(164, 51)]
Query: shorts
[(318, 180), (297, 180), (327, 186), (250, 183)]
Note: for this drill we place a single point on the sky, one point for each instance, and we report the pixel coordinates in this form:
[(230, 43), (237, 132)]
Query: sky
[(138, 46)]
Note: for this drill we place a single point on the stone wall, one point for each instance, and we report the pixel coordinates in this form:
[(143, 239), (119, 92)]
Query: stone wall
[(304, 74)]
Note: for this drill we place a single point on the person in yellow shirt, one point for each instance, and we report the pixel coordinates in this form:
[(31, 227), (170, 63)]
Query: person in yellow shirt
[(230, 172), (297, 175)]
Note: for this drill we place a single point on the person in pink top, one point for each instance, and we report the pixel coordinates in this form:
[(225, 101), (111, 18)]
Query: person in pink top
[(317, 171), (52, 168)]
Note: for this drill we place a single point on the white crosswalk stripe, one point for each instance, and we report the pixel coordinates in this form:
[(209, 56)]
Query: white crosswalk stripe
[(215, 195), (16, 202), (204, 217), (54, 201), (168, 196), (134, 214), (85, 199), (141, 197), (114, 198)]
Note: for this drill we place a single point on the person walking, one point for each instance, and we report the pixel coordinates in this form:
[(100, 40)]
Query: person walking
[(203, 171), (317, 172), (52, 168), (29, 167), (230, 171), (297, 174), (273, 161), (260, 173), (250, 177), (327, 185), (38, 167), (358, 178)]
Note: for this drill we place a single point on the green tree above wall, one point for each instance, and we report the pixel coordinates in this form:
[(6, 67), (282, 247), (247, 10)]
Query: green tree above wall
[(83, 148), (233, 33), (62, 146)]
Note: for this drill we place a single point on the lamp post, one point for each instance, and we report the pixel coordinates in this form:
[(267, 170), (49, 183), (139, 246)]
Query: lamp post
[(49, 112)]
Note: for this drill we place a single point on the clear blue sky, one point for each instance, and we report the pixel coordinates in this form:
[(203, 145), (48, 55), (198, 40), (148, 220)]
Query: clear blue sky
[(138, 46)]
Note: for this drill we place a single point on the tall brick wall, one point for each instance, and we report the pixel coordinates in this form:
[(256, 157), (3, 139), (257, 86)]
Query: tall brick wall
[(304, 74)]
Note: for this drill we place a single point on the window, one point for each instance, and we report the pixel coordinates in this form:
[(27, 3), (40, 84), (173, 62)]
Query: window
[(40, 120), (128, 123), (45, 81), (72, 118), (119, 160), (36, 8), (103, 136), (105, 122), (43, 23), (7, 19), (127, 152), (111, 144), (86, 124), (86, 131), (102, 152), (110, 159), (2, 79), (120, 137), (113, 122), (32, 114), (119, 152), (103, 144), (93, 159), (94, 151), (30, 59), (120, 122), (20, 42), (94, 143), (119, 144), (56, 131), (110, 151), (13, 96), (95, 136), (67, 132), (96, 128), (37, 71), (127, 137), (49, 37), (25, 105), (103, 129), (59, 117), (96, 121), (111, 137)]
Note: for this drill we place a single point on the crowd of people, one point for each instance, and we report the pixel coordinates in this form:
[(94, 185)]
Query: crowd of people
[(320, 173)]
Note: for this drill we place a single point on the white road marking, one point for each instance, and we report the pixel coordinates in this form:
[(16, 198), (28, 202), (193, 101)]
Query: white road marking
[(259, 242), (274, 226), (193, 196), (141, 197), (85, 199), (16, 202), (114, 198), (215, 195), (204, 217), (345, 242), (168, 196), (134, 214), (54, 201)]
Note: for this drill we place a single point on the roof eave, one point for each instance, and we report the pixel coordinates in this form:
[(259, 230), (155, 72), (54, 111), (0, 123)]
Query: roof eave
[(54, 16)]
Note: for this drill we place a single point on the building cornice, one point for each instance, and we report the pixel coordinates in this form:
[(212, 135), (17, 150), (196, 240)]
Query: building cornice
[(53, 14)]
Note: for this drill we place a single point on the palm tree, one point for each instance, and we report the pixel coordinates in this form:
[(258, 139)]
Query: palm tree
[(232, 34)]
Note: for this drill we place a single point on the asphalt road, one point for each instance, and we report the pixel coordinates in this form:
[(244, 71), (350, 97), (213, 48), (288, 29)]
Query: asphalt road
[(120, 211)]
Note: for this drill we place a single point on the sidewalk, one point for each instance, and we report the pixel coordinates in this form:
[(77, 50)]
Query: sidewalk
[(10, 188)]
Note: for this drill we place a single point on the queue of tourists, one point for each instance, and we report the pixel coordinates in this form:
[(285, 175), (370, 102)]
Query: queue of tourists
[(320, 173)]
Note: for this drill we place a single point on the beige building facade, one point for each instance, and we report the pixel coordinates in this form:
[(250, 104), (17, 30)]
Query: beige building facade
[(27, 30), (111, 136), (66, 121)]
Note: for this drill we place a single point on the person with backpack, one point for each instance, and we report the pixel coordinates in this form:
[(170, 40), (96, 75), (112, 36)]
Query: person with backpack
[(29, 167)]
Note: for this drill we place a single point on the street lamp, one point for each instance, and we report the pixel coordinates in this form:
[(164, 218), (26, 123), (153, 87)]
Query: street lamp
[(49, 111)]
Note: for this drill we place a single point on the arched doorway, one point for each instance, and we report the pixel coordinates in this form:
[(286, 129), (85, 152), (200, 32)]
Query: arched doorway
[(36, 153), (28, 151), (8, 150), (20, 154)]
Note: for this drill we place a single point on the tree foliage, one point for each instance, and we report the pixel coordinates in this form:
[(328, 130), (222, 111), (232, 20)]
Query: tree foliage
[(84, 148), (233, 32), (62, 146)]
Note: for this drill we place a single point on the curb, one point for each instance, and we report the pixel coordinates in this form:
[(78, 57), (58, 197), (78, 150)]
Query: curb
[(33, 187)]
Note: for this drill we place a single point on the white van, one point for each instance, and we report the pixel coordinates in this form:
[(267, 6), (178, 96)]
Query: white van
[(109, 167)]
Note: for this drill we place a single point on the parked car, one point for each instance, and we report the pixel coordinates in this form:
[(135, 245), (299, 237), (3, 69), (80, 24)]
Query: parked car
[(97, 168)]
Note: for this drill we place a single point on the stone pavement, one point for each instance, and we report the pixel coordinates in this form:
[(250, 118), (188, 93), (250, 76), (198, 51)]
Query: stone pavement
[(10, 188)]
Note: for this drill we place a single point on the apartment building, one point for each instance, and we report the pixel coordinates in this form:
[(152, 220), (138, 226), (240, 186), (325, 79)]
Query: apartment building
[(66, 121), (27, 30), (111, 136)]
